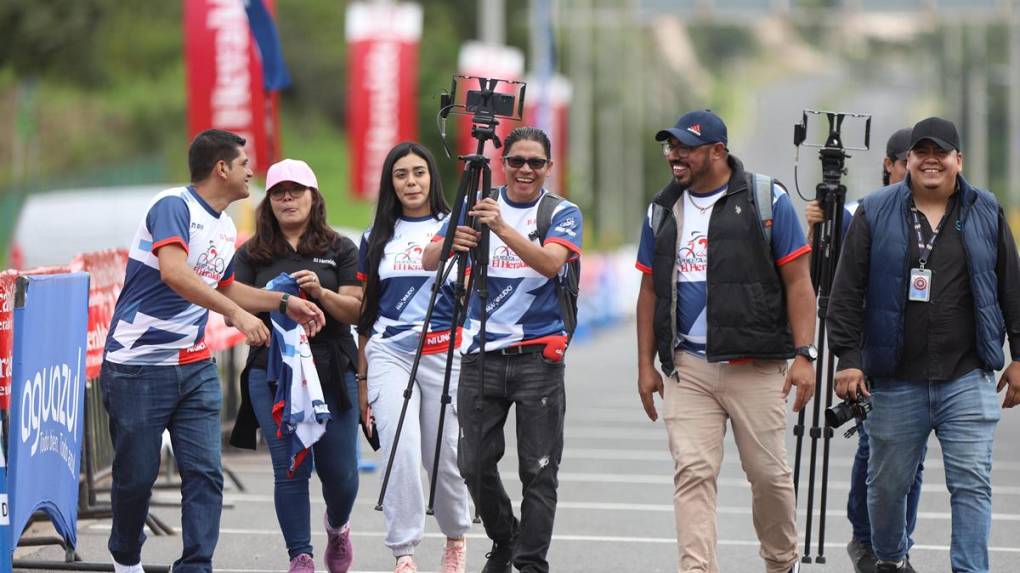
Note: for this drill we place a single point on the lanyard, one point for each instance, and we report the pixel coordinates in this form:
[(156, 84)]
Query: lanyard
[(926, 248)]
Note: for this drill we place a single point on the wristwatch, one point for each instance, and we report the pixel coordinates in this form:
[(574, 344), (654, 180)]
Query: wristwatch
[(283, 303), (809, 352)]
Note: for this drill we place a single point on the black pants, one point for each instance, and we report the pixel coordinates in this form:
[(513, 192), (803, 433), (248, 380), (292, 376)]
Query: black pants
[(535, 386)]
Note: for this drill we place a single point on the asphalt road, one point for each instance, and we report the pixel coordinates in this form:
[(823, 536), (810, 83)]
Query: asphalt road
[(615, 511)]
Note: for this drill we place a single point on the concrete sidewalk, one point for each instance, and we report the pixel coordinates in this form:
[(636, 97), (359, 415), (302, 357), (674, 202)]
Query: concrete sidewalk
[(615, 511)]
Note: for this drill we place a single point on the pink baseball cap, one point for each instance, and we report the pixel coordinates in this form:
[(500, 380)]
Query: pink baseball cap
[(291, 170)]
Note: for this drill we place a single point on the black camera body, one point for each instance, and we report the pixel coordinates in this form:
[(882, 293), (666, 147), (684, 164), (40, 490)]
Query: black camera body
[(847, 410)]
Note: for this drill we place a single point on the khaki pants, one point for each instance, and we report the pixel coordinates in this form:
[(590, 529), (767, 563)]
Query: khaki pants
[(696, 409)]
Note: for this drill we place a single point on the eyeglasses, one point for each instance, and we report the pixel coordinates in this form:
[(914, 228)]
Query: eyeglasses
[(517, 162), (680, 149), (277, 193)]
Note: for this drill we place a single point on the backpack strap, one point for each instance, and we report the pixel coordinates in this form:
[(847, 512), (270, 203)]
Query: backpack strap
[(546, 205), (761, 187)]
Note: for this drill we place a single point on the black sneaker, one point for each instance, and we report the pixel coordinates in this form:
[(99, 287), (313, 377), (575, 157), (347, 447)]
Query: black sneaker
[(500, 559), (861, 556), (907, 567), (891, 566)]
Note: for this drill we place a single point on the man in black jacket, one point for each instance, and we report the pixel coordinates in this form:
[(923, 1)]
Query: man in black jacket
[(924, 292), (725, 301)]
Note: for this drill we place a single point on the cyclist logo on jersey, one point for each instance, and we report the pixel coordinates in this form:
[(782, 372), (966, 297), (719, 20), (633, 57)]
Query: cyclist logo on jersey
[(409, 259), (693, 255), (210, 264)]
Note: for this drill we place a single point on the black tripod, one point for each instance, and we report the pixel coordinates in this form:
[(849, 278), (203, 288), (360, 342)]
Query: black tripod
[(826, 245), (476, 172)]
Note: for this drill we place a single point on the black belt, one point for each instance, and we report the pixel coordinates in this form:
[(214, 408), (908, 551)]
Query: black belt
[(518, 350)]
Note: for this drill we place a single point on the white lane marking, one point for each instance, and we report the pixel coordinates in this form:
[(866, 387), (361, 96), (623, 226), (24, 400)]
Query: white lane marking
[(261, 465), (604, 506), (557, 537)]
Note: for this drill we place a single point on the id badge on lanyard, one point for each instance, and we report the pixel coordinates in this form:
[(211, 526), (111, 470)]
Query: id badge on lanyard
[(920, 277), (920, 285)]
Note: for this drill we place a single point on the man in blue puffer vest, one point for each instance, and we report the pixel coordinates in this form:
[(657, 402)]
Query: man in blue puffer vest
[(920, 305)]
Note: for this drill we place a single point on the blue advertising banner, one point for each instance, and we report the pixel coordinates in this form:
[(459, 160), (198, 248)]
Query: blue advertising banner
[(48, 397)]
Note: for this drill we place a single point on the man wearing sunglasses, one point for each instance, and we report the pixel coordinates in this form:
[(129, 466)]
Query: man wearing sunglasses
[(725, 301), (525, 341)]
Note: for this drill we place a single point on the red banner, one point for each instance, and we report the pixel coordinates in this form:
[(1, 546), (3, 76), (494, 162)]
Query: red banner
[(382, 86), (7, 285), (106, 279), (224, 75), (557, 96), (489, 61)]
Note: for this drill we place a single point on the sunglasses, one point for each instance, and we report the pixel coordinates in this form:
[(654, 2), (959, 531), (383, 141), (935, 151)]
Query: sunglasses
[(277, 193), (517, 162)]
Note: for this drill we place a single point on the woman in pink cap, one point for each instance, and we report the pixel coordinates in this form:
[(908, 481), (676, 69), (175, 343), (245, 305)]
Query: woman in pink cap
[(292, 237), (397, 290)]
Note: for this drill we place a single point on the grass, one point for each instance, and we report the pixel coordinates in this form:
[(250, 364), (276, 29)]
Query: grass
[(324, 148)]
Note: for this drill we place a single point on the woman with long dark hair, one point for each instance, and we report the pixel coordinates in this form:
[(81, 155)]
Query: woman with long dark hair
[(411, 209), (292, 237)]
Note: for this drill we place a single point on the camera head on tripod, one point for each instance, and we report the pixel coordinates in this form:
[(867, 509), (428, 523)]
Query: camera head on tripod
[(494, 99), (832, 152)]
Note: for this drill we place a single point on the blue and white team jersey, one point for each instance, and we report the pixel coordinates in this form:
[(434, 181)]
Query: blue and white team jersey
[(788, 243), (523, 305), (405, 288), (153, 325)]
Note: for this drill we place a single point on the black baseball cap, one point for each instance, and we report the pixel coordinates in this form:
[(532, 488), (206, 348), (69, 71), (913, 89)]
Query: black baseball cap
[(941, 131), (696, 128), (898, 144)]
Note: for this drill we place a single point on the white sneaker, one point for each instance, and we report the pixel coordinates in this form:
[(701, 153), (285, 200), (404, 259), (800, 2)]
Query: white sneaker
[(118, 568)]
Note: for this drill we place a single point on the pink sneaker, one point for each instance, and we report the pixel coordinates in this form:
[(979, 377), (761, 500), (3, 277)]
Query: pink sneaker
[(302, 564), (339, 552), (406, 564), (454, 556)]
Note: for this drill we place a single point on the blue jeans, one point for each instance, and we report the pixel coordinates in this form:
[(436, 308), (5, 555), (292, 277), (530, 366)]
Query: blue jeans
[(963, 413), (857, 501), (334, 457), (143, 401)]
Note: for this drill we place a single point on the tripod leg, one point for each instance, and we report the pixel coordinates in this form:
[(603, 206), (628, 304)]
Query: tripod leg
[(441, 274), (444, 401), (826, 439)]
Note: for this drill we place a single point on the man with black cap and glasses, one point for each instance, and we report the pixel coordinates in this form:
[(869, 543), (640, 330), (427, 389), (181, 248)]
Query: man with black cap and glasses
[(894, 170), (725, 301), (921, 300)]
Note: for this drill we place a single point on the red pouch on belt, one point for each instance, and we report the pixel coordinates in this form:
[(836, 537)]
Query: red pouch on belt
[(555, 349)]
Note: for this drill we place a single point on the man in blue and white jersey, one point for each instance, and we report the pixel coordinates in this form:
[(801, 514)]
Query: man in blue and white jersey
[(157, 372), (724, 303), (525, 341)]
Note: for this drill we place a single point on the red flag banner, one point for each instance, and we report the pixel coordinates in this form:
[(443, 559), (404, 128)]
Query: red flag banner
[(489, 61), (224, 76), (557, 96), (382, 86)]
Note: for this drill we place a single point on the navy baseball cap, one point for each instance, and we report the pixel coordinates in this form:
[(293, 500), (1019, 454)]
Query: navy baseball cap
[(898, 144), (941, 131), (696, 128)]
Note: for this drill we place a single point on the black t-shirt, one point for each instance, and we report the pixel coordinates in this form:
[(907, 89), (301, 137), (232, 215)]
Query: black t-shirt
[(336, 267), (940, 336)]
